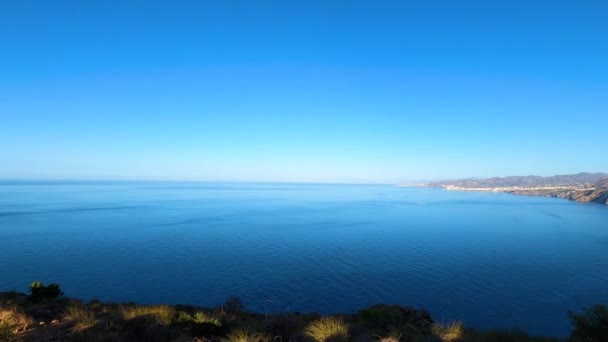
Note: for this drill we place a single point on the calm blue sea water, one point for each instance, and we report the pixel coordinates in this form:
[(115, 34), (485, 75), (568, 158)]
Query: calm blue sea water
[(490, 259)]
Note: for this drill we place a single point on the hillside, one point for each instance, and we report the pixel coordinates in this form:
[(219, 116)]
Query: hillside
[(525, 181), (596, 193), (582, 187)]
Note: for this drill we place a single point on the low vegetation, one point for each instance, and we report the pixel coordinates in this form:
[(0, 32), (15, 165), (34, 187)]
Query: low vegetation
[(8, 334), (44, 315), (162, 314), (41, 293), (243, 335), (448, 332), (203, 318), (82, 317), (327, 329), (393, 335)]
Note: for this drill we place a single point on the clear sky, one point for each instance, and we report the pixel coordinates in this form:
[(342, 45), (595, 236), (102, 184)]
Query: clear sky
[(314, 91)]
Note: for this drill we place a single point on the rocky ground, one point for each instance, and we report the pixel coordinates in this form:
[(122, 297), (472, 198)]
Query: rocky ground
[(594, 193)]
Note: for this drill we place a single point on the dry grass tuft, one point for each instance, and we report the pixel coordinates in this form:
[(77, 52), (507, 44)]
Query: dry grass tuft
[(240, 335), (14, 317), (448, 332), (82, 317), (163, 314), (394, 335), (7, 333), (12, 320), (327, 329), (388, 339)]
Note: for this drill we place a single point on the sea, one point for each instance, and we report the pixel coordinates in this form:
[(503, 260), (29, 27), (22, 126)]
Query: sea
[(491, 260)]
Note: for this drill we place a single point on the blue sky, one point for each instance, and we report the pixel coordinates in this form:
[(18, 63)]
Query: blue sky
[(312, 91)]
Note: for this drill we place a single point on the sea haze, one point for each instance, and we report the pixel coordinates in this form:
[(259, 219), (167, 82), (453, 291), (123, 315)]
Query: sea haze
[(490, 259)]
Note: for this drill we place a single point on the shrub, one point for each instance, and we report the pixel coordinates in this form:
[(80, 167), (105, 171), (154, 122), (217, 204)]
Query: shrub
[(201, 317), (41, 293), (241, 335), (233, 305), (327, 329), (81, 316), (379, 318), (288, 326), (591, 325), (449, 332)]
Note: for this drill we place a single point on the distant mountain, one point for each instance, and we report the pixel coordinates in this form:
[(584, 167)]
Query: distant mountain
[(525, 181)]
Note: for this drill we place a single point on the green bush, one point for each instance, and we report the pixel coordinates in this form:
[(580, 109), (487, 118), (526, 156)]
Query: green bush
[(41, 293), (591, 325)]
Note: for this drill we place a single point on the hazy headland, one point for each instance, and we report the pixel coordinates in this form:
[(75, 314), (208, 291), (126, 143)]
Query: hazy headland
[(581, 187)]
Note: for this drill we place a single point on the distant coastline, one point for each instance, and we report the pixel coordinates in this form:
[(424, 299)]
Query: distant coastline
[(581, 187)]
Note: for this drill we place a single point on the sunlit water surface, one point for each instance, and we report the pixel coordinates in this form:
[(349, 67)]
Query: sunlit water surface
[(489, 259)]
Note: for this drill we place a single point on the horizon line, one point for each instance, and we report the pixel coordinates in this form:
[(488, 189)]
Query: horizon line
[(404, 182)]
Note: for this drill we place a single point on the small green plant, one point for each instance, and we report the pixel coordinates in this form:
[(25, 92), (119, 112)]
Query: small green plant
[(201, 317), (82, 317), (41, 293), (591, 325), (448, 332), (200, 323), (240, 335), (327, 329)]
